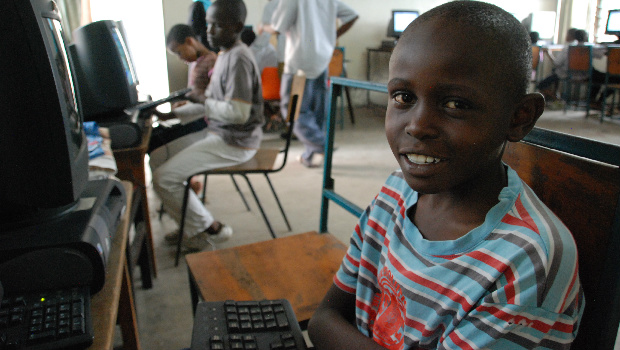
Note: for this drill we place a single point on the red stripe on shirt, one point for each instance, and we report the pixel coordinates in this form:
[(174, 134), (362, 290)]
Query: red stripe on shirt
[(454, 296)]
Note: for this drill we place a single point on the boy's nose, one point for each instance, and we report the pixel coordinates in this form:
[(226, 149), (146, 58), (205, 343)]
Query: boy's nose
[(422, 123)]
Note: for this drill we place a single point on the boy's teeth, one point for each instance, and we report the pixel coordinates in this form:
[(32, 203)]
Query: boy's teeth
[(421, 159)]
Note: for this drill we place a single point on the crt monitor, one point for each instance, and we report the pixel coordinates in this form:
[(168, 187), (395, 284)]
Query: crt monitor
[(106, 78), (399, 21), (613, 23), (43, 149)]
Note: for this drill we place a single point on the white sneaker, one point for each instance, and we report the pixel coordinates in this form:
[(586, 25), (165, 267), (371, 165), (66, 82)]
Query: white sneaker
[(204, 239), (222, 236)]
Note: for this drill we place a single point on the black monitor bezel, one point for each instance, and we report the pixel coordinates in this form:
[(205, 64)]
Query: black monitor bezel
[(611, 32)]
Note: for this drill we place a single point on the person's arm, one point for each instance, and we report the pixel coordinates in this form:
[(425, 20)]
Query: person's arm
[(269, 29), (345, 27), (332, 325), (236, 106)]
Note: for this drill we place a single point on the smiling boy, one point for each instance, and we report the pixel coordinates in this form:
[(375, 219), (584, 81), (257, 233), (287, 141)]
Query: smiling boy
[(456, 252)]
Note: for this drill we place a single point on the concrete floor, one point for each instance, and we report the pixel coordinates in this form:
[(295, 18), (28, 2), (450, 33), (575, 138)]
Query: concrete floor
[(361, 164)]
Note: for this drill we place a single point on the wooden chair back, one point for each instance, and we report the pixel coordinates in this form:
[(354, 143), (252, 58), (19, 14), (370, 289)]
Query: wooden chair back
[(579, 180), (336, 65), (580, 58), (270, 78), (613, 60)]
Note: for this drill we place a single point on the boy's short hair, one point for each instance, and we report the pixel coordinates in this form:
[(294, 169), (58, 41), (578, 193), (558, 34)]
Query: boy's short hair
[(179, 33), (499, 28), (248, 36), (581, 35), (235, 10)]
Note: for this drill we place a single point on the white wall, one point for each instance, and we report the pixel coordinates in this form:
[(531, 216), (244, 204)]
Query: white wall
[(145, 39)]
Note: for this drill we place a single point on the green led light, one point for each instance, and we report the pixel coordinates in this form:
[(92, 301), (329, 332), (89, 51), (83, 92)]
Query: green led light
[(42, 299)]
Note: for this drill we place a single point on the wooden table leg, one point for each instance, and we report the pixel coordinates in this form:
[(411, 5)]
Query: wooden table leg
[(127, 314)]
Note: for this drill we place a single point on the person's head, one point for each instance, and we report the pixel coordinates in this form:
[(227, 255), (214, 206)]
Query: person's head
[(570, 35), (182, 42), (248, 36), (534, 37), (457, 90), (581, 36), (225, 20)]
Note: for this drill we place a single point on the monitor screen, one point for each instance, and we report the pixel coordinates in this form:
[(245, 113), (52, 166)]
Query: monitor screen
[(613, 22), (400, 20)]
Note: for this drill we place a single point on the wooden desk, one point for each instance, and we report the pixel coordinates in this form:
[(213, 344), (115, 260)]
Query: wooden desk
[(268, 270), (130, 164), (115, 301)]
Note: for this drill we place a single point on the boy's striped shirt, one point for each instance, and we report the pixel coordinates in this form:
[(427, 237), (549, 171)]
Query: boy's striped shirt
[(511, 283)]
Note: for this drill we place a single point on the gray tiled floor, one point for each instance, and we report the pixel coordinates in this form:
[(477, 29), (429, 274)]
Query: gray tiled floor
[(361, 163)]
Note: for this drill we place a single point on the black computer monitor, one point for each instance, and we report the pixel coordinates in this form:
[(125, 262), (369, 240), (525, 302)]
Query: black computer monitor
[(399, 21), (613, 23), (106, 78), (43, 149)]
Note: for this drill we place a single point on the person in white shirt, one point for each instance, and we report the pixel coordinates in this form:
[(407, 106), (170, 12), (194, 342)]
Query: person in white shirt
[(311, 30)]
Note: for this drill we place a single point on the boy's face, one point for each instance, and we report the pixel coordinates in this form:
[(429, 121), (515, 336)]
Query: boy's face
[(448, 114), (186, 51), (221, 31)]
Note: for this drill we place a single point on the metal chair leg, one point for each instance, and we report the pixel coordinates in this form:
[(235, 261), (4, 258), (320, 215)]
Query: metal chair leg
[(278, 201), (260, 207), (240, 193), (182, 223)]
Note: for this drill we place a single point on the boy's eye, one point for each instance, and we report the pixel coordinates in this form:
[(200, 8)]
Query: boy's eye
[(457, 105), (403, 98)]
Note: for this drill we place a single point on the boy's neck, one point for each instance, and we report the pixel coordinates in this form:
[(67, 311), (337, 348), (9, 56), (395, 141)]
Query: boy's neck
[(227, 47), (448, 216)]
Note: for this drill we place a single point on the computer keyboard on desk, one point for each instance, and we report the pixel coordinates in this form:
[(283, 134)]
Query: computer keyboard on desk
[(256, 325), (46, 320)]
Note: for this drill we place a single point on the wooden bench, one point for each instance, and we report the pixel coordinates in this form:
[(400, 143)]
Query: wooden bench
[(579, 179)]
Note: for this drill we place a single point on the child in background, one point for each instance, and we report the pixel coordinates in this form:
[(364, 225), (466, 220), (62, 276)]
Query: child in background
[(456, 251), (233, 105), (182, 42)]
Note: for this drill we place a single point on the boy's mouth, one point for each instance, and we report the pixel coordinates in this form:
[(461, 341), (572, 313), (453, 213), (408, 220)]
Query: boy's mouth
[(421, 159)]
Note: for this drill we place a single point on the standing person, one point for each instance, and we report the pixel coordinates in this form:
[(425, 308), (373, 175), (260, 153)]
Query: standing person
[(456, 251), (233, 106), (311, 31)]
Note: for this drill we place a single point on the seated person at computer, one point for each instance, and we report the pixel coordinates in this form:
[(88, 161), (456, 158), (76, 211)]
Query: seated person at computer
[(233, 106), (456, 251), (549, 85), (182, 42)]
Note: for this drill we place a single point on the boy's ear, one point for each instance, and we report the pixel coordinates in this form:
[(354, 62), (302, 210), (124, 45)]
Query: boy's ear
[(529, 109), (239, 27)]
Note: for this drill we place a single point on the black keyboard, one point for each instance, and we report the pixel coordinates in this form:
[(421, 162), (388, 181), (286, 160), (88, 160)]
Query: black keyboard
[(176, 95), (255, 325), (46, 320)]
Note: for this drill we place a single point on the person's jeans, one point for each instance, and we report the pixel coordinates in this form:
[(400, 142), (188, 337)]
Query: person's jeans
[(310, 125)]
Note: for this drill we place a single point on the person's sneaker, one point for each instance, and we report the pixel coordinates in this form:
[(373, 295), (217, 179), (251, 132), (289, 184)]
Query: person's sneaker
[(173, 237), (305, 162), (196, 243), (222, 235)]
